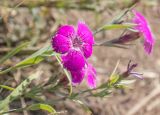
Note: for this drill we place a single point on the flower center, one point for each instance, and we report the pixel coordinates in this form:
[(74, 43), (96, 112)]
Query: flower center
[(77, 42)]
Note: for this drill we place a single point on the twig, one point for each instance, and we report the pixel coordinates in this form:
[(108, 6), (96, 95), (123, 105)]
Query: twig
[(23, 106), (19, 4), (12, 110)]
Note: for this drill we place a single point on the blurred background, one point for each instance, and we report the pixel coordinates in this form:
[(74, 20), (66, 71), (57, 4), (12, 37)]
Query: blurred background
[(37, 20)]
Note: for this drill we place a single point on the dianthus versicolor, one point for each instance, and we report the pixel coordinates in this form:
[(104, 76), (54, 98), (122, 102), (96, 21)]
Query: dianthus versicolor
[(143, 27), (75, 47)]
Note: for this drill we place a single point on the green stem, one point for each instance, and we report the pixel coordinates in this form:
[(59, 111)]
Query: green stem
[(13, 110)]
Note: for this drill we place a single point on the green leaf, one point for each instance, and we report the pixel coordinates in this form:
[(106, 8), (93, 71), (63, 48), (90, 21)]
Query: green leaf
[(85, 107), (126, 82), (120, 86), (29, 62), (102, 93), (13, 52), (39, 106), (18, 91), (113, 79), (7, 87), (117, 26), (67, 74), (35, 58)]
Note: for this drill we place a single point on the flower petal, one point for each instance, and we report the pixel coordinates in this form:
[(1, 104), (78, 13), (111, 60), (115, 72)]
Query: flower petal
[(85, 33), (87, 50), (66, 30), (91, 76), (74, 60), (148, 46), (143, 27), (139, 17), (77, 76), (91, 81), (149, 39), (61, 44)]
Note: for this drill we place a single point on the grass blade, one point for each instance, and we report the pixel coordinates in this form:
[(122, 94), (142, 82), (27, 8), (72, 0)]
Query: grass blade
[(115, 26), (18, 91), (7, 87), (45, 107), (35, 58), (85, 107), (13, 52)]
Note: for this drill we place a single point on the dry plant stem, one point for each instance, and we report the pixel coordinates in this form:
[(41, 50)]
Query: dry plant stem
[(13, 110), (144, 101), (23, 106), (19, 4)]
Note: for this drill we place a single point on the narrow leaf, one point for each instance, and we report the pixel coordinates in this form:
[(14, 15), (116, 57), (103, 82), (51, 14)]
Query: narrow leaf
[(7, 87), (126, 82), (85, 107), (113, 79), (45, 107), (117, 26), (35, 58), (29, 61), (102, 93), (18, 91), (13, 52)]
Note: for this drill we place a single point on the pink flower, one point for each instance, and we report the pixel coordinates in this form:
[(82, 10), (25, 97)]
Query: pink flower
[(91, 76), (75, 47), (74, 60), (77, 76), (80, 39), (143, 27), (89, 72), (61, 44)]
